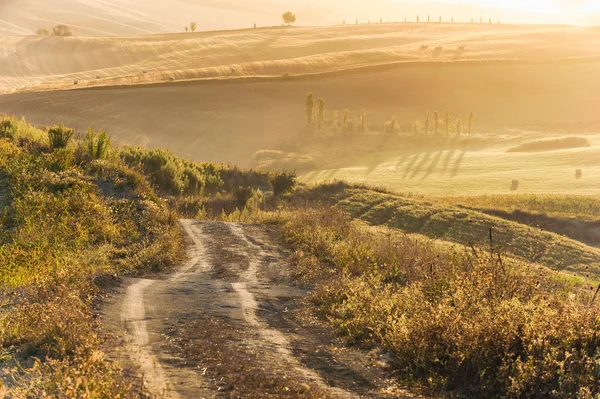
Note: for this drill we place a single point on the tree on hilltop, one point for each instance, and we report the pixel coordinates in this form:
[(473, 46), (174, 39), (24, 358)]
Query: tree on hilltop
[(289, 18), (61, 30), (193, 26), (187, 29), (42, 32)]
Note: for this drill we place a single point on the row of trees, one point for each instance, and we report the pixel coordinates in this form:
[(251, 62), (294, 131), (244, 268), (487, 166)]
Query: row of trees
[(437, 126), (315, 112), (58, 30)]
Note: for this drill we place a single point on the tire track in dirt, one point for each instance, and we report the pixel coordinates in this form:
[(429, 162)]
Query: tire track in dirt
[(133, 315), (250, 307), (225, 325)]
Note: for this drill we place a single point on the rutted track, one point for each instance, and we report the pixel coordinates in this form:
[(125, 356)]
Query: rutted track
[(228, 324)]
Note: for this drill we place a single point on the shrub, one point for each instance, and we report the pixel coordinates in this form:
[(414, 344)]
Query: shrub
[(42, 32), (61, 30), (59, 136), (242, 196), (8, 128), (283, 182), (193, 26), (464, 322), (97, 144)]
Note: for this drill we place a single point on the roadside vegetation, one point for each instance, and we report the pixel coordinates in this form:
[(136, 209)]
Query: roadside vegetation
[(464, 302), (75, 213)]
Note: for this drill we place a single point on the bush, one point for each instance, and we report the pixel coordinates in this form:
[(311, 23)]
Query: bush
[(61, 30), (8, 128), (97, 144), (283, 182), (242, 196), (42, 32), (59, 136), (172, 175)]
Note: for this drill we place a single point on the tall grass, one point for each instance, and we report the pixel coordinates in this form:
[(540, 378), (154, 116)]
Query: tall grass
[(64, 224), (458, 321)]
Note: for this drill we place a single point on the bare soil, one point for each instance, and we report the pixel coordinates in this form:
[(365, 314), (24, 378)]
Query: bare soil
[(231, 323)]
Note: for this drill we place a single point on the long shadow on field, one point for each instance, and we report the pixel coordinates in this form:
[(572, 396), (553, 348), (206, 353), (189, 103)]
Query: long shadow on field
[(433, 165), (447, 159), (421, 165), (410, 165), (456, 168)]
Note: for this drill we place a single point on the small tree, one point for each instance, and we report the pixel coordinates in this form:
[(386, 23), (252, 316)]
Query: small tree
[(321, 105), (471, 120), (459, 125), (193, 26), (391, 126), (355, 125), (345, 120), (417, 19), (187, 29), (335, 122), (61, 30), (426, 128), (289, 18), (310, 105), (447, 123), (436, 123), (42, 32), (363, 122)]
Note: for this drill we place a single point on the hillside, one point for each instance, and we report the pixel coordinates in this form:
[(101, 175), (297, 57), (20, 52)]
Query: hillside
[(418, 282), (35, 63)]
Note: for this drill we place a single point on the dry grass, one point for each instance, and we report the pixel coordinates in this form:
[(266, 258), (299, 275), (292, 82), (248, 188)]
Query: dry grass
[(66, 221), (297, 52), (456, 321)]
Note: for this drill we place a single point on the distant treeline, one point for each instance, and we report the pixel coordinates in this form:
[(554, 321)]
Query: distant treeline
[(434, 123)]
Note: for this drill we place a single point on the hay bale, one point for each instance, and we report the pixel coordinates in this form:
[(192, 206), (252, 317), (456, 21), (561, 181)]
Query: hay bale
[(145, 71), (233, 70), (75, 82), (515, 185), (578, 174), (424, 47), (171, 79), (98, 77)]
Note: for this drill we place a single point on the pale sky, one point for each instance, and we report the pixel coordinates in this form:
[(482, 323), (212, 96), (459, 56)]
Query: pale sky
[(584, 12)]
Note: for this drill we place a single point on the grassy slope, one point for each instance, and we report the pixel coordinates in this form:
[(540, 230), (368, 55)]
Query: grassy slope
[(469, 171), (68, 220), (461, 225)]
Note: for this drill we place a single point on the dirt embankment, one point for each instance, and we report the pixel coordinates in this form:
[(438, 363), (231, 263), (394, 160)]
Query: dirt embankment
[(230, 323)]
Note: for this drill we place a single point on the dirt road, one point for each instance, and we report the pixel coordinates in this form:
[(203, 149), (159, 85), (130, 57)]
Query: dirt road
[(230, 324)]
